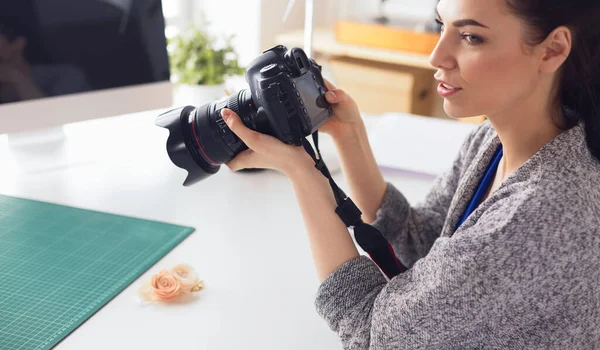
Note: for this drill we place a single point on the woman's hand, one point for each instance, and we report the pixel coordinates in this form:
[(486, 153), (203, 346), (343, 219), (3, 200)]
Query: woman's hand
[(20, 82), (346, 127), (330, 242), (346, 115), (264, 151)]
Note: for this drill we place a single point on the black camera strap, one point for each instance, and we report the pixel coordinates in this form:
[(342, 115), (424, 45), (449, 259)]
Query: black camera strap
[(367, 236)]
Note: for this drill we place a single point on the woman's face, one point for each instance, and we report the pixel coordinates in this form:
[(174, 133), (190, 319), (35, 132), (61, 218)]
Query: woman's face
[(482, 56), (11, 50)]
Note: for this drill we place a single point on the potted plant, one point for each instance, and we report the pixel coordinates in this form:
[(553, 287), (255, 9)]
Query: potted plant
[(200, 66)]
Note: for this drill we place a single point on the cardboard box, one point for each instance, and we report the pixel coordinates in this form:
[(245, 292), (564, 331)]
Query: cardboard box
[(370, 33), (379, 87)]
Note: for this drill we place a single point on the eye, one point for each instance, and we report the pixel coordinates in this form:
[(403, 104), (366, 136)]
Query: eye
[(441, 24), (472, 39)]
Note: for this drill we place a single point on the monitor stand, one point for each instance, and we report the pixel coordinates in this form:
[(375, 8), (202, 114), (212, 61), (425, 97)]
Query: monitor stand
[(27, 138), (40, 150)]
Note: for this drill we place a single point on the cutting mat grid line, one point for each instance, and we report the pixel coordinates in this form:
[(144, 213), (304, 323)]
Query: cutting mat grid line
[(59, 265)]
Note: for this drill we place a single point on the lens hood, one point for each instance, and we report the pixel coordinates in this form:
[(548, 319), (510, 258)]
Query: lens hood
[(179, 144)]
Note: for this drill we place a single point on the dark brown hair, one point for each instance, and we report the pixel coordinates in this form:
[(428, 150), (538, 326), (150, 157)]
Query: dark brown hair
[(578, 90)]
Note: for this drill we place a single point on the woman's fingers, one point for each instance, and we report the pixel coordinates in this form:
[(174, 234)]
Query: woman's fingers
[(328, 84), (264, 151), (244, 160), (337, 96), (331, 96), (252, 139)]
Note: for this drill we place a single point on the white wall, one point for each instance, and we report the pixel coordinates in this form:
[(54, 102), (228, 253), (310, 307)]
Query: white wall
[(418, 9), (257, 22), (239, 17), (272, 12), (326, 12)]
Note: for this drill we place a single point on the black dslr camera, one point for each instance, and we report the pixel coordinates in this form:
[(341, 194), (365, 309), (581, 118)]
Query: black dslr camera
[(286, 99)]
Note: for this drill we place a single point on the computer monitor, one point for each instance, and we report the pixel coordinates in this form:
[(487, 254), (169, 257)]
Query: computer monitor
[(63, 61)]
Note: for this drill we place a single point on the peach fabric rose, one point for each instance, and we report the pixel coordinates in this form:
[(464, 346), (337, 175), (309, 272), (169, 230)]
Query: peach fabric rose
[(165, 286), (187, 277), (168, 285)]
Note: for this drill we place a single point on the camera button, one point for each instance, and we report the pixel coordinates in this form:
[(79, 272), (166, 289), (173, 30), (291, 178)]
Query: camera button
[(301, 102), (270, 71), (304, 111)]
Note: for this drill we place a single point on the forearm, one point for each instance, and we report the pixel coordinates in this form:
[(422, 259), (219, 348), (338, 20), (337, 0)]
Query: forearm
[(330, 241), (365, 181), (27, 90)]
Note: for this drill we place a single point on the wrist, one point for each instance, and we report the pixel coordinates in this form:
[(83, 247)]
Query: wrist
[(300, 165), (350, 138), (349, 133)]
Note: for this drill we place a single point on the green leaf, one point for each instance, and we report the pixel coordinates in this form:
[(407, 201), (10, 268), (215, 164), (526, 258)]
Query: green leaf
[(194, 58)]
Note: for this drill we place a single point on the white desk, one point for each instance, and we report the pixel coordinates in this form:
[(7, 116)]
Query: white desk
[(249, 247)]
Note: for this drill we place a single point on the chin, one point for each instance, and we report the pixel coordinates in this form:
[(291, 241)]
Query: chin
[(459, 111)]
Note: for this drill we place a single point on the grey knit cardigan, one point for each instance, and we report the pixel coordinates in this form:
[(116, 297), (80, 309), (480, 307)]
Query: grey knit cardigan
[(522, 272)]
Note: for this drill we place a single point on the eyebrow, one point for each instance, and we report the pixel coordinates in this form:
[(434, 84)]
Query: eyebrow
[(463, 22)]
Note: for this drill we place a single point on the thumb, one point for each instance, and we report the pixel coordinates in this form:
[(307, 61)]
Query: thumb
[(328, 84), (337, 96)]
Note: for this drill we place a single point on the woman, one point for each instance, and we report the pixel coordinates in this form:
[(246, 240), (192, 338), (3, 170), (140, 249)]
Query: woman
[(505, 250), (21, 79)]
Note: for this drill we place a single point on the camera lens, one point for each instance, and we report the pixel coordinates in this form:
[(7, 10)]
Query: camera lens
[(200, 141)]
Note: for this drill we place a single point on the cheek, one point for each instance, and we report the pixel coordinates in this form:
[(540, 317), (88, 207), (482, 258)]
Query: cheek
[(494, 81), (491, 72)]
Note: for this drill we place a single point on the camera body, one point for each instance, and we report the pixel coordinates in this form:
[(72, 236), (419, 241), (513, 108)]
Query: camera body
[(288, 90), (286, 100)]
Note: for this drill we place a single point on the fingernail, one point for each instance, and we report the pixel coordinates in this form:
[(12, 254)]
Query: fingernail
[(225, 113), (331, 96)]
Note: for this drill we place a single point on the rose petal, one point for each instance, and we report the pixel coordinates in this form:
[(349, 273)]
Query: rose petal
[(186, 275), (165, 286), (145, 291)]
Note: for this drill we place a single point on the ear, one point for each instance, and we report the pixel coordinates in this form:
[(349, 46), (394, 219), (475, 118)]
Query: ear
[(555, 49)]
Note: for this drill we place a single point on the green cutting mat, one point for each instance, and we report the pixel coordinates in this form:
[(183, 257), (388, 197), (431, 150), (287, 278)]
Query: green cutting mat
[(59, 265)]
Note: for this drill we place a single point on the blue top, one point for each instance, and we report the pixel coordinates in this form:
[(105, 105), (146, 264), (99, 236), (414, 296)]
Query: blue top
[(488, 178)]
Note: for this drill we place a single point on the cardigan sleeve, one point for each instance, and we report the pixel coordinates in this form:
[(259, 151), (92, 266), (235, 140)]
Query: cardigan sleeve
[(411, 230)]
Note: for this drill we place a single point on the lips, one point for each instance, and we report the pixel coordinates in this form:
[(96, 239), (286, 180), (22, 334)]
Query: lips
[(446, 90), (447, 85)]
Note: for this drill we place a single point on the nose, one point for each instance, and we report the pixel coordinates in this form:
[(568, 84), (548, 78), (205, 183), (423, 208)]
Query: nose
[(442, 56)]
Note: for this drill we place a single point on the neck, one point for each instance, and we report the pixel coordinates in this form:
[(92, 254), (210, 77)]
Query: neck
[(523, 131)]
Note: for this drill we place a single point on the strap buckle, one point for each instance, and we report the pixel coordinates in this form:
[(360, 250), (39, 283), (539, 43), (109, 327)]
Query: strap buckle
[(349, 212), (322, 167)]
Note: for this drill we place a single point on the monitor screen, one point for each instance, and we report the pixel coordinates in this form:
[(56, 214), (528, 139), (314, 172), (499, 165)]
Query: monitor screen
[(54, 48)]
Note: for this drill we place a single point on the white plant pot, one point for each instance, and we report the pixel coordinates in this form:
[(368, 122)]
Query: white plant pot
[(196, 95)]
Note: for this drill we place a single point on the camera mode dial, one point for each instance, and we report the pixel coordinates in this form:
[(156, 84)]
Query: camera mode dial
[(269, 71)]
